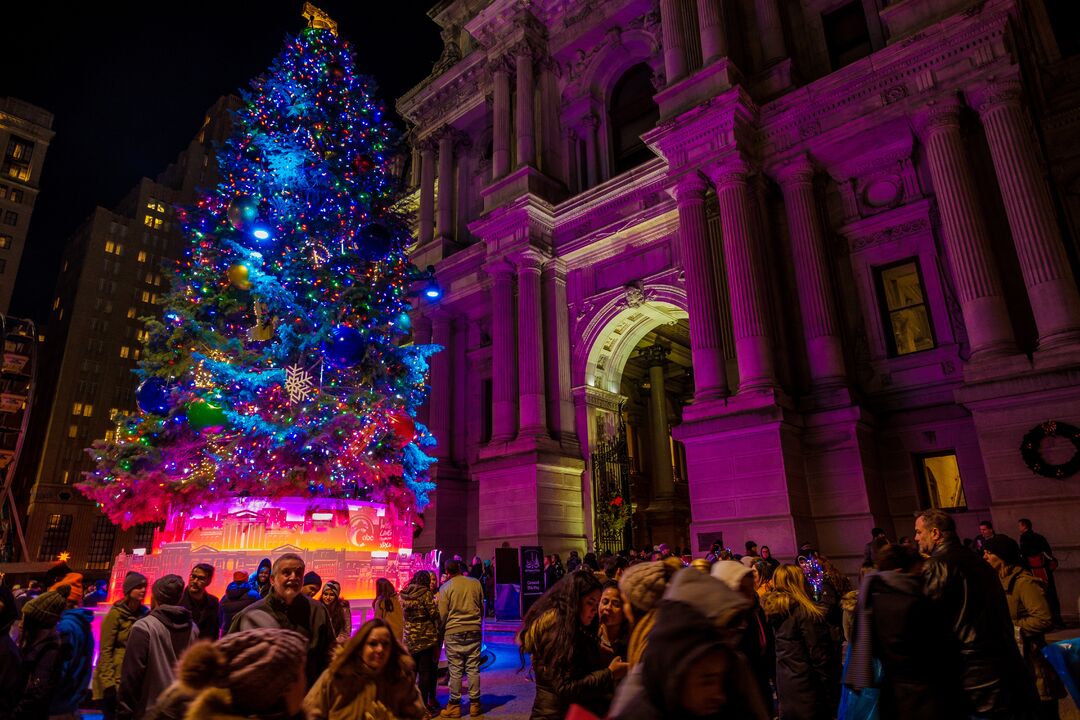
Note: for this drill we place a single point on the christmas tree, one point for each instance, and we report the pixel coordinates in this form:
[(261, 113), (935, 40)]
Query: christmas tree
[(280, 366)]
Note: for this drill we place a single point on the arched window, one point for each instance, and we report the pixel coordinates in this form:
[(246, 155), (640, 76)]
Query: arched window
[(633, 113)]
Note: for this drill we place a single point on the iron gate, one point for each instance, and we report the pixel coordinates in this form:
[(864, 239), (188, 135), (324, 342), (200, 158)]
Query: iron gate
[(612, 503)]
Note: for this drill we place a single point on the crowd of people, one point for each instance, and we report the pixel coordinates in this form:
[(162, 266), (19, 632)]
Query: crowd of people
[(937, 628)]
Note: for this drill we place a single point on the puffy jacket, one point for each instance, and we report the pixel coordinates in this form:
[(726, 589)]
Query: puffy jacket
[(238, 595), (77, 642), (807, 660), (967, 598), (587, 681), (115, 629), (421, 618), (41, 663)]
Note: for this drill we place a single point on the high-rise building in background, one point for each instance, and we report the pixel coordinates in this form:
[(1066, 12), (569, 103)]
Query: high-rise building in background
[(114, 272), (25, 133)]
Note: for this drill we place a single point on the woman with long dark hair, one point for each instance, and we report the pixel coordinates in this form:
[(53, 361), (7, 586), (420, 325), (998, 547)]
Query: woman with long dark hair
[(339, 611), (807, 665), (422, 634), (372, 676), (388, 607), (560, 632)]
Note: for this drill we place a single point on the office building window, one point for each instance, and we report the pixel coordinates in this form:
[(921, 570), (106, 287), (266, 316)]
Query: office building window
[(101, 545), (142, 256), (131, 312), (145, 296), (155, 205), (57, 534), (17, 160), (16, 195), (144, 536), (3, 191), (125, 351), (11, 218), (5, 241), (73, 430), (941, 481), (152, 222), (903, 308), (76, 409)]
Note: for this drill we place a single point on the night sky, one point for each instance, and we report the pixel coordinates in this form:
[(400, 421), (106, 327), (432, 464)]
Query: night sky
[(129, 83)]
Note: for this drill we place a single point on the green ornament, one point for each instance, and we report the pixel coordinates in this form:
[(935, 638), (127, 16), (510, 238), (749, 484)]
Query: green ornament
[(207, 414)]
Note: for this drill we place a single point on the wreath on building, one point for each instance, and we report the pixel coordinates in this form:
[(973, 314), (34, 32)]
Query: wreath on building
[(616, 514), (1031, 449)]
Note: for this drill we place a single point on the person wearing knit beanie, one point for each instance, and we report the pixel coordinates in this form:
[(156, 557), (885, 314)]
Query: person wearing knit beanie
[(643, 585), (246, 672), (167, 590), (312, 584), (47, 607), (115, 630), (74, 581), (732, 574), (132, 581)]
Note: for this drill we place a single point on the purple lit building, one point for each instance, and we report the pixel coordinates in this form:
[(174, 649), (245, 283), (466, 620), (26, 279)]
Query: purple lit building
[(752, 269)]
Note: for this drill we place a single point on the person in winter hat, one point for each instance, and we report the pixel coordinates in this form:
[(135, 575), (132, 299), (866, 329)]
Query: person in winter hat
[(757, 643), (642, 586), (115, 630), (312, 584), (254, 673), (154, 645), (238, 595), (260, 579), (10, 657), (77, 650), (371, 677), (39, 645), (689, 668)]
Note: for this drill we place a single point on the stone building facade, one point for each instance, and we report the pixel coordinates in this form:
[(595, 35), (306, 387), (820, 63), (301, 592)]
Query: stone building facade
[(771, 269)]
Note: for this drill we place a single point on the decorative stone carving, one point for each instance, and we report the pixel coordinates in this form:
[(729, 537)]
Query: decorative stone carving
[(894, 94), (451, 53), (912, 227), (636, 294)]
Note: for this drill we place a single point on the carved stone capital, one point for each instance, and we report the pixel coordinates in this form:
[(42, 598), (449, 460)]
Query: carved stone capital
[(735, 170), (938, 115), (690, 188), (999, 93), (799, 170), (529, 259), (500, 64)]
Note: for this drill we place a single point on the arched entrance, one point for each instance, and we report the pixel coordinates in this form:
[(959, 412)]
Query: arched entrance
[(638, 378)]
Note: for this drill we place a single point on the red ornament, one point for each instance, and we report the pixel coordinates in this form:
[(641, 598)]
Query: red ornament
[(404, 427), (363, 163)]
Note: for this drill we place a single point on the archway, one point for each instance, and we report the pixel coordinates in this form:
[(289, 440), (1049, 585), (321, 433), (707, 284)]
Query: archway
[(639, 376)]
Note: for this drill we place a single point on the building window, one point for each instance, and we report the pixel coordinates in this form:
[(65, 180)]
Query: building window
[(131, 312), (145, 296), (3, 191), (5, 241), (633, 112), (152, 222), (102, 540), (142, 256), (144, 536), (125, 351), (76, 409), (846, 34), (903, 307), (17, 161), (941, 480), (11, 218), (16, 196), (155, 205), (57, 533), (73, 431), (88, 410)]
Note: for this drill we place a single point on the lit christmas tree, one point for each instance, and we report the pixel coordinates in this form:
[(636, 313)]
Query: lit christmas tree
[(278, 368)]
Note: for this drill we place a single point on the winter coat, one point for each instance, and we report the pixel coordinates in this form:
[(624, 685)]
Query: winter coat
[(354, 692), (304, 615), (392, 614), (421, 618), (967, 598), (216, 704), (204, 614), (115, 629), (895, 625), (587, 681), (11, 686), (758, 646), (253, 579), (807, 661), (237, 597), (77, 647), (41, 663), (154, 645), (1030, 613)]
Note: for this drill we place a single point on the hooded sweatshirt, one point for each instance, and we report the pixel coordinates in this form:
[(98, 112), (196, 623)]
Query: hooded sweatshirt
[(156, 643), (238, 595), (262, 589), (77, 646)]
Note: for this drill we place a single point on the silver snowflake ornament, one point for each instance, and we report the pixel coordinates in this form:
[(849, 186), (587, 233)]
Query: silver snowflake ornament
[(298, 384)]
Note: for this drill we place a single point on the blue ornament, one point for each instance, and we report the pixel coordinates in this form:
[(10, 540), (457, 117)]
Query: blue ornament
[(242, 211), (346, 346), (153, 396)]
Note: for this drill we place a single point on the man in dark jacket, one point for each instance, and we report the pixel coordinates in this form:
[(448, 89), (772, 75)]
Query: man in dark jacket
[(968, 605), (286, 608), (155, 644), (77, 650), (238, 595), (203, 605)]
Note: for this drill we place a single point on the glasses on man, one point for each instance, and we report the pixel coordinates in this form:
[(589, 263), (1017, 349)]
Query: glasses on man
[(199, 578)]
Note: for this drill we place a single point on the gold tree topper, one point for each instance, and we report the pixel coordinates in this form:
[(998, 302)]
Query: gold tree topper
[(318, 19)]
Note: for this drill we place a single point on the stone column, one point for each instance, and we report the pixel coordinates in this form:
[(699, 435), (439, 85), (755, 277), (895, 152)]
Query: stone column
[(1051, 287), (442, 328), (590, 124), (532, 408), (753, 346), (820, 327), (427, 191), (503, 352), (500, 140), (771, 32), (977, 285), (674, 52), (525, 112), (446, 184), (710, 377), (714, 44), (663, 480)]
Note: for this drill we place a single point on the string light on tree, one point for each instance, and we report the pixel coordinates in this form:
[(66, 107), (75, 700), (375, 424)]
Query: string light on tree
[(298, 252)]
